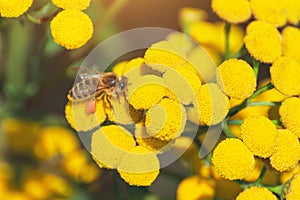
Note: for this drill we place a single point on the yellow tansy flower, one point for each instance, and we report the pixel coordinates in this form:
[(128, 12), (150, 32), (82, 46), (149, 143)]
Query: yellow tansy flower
[(19, 134), (200, 62), (34, 187), (190, 15), (212, 106), (182, 41), (145, 91), (71, 29), (236, 78), (233, 11), (269, 11), (119, 67), (285, 176), (294, 189), (289, 112), (285, 76), (213, 35), (150, 142), (257, 194), (184, 83), (166, 120), (78, 118), (164, 55), (120, 111), (252, 177), (14, 8), (195, 188), (227, 159), (70, 4), (263, 41), (132, 64), (287, 151), (139, 167), (259, 135), (291, 42), (109, 144), (55, 141), (292, 8)]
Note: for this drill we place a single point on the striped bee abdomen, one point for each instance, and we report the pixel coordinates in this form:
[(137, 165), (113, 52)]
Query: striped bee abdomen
[(84, 89)]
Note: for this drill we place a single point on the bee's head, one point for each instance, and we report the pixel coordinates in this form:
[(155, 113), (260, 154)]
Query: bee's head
[(122, 84)]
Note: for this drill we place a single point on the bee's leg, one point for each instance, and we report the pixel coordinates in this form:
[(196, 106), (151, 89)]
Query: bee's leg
[(91, 106)]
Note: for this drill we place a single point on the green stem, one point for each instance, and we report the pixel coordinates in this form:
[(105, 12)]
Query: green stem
[(227, 131), (264, 103), (227, 47), (256, 65), (18, 49), (276, 189), (235, 122), (247, 101), (261, 176), (240, 122)]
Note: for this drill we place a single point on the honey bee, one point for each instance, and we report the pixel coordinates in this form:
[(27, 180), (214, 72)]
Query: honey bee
[(90, 87)]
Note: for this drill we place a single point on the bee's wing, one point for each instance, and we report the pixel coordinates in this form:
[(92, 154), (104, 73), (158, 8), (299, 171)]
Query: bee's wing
[(84, 73)]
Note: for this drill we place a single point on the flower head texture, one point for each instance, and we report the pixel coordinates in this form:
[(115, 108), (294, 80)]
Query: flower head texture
[(287, 151), (166, 120), (292, 8), (119, 67), (289, 112), (212, 105), (285, 74), (80, 120), (184, 83), (14, 8), (109, 144), (227, 159), (164, 55), (291, 42), (120, 111), (269, 11), (145, 91), (294, 189), (69, 4), (233, 11), (71, 29), (257, 194), (236, 78), (151, 143), (195, 187), (201, 63), (139, 167), (259, 135), (263, 41)]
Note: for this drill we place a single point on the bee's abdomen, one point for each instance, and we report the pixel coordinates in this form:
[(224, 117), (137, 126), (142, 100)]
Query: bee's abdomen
[(84, 89)]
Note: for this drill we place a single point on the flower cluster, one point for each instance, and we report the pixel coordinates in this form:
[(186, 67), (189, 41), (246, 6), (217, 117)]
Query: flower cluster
[(24, 160), (262, 125)]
